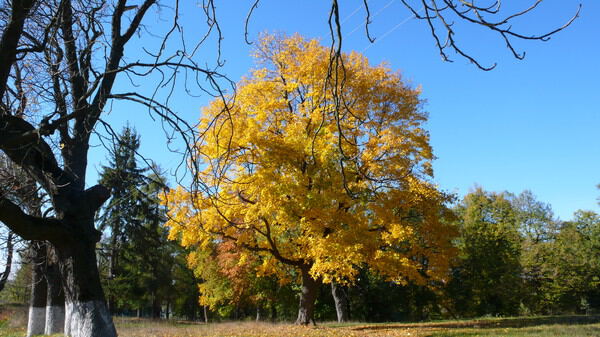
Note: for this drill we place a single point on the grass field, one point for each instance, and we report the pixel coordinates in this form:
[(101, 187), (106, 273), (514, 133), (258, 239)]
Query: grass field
[(13, 320)]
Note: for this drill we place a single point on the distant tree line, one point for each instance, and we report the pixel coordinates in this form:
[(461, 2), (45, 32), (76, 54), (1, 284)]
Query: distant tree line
[(514, 258)]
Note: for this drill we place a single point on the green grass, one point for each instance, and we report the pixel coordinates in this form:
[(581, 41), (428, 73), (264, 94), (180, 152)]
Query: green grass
[(7, 331), (539, 331)]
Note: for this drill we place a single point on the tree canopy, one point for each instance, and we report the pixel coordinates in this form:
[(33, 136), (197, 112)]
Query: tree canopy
[(311, 178)]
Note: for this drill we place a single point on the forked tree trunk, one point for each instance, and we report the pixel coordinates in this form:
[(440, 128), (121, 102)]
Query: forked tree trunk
[(55, 301), (308, 295), (86, 313), (341, 302), (37, 305)]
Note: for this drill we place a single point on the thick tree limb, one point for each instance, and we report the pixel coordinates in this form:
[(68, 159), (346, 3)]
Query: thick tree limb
[(78, 85), (23, 144), (31, 227), (95, 197), (10, 39), (116, 54)]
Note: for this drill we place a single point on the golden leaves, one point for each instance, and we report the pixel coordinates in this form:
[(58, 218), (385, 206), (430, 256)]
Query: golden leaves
[(303, 173)]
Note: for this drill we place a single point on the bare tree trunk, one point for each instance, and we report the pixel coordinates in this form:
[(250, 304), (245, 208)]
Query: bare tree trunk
[(341, 302), (8, 264), (308, 295), (205, 314), (55, 301), (37, 305)]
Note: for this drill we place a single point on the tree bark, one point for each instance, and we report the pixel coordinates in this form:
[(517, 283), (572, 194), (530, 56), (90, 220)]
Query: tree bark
[(55, 300), (37, 304), (308, 295), (341, 302), (86, 313)]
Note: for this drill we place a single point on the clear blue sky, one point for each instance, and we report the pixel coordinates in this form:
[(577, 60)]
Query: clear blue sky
[(531, 124)]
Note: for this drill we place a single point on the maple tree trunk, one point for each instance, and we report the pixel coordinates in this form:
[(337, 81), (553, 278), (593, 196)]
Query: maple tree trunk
[(86, 313), (341, 302), (308, 295), (37, 305)]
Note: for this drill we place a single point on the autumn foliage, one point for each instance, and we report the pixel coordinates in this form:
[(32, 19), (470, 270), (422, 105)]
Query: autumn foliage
[(326, 169)]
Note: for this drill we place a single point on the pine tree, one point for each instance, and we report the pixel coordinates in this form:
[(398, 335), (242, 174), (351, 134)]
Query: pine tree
[(119, 216), (140, 258)]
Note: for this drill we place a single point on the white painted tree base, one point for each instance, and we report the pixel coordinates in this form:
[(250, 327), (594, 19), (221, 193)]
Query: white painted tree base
[(36, 321), (88, 319), (55, 319)]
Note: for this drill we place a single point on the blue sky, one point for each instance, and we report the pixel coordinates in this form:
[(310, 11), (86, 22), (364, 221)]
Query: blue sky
[(531, 124)]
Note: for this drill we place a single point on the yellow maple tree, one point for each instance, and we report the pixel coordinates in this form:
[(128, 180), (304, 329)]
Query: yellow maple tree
[(324, 168)]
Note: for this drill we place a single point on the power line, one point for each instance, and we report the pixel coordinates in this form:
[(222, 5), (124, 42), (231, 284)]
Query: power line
[(391, 30), (352, 14), (372, 17)]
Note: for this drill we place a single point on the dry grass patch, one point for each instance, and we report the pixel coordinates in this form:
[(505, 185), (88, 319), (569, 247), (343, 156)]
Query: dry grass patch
[(145, 328), (516, 327), (13, 320)]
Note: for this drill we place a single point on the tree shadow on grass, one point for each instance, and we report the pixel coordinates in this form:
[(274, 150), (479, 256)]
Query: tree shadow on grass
[(490, 323)]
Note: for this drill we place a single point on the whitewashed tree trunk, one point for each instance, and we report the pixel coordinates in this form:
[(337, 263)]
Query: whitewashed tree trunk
[(86, 312), (37, 305), (36, 321), (88, 319), (55, 301), (55, 319)]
